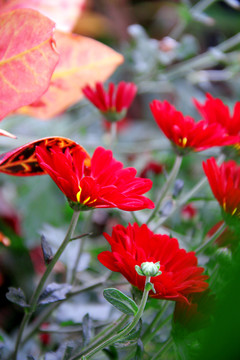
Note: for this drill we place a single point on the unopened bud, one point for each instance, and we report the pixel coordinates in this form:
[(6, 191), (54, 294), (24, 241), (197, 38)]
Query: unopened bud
[(148, 269)]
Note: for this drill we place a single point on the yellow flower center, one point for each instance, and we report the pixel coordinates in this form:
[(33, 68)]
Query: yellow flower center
[(237, 146), (86, 201), (183, 141)]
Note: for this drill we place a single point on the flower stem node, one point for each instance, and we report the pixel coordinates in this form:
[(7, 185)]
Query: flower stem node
[(77, 206), (148, 269), (113, 116), (150, 287)]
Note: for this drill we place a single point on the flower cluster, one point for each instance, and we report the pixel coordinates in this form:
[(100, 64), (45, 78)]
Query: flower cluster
[(105, 184), (185, 133), (134, 245)]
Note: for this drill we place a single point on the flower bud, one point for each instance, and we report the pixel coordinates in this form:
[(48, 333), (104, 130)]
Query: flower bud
[(148, 269)]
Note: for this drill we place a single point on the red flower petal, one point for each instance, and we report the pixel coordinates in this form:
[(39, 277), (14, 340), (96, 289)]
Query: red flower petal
[(133, 245), (185, 133)]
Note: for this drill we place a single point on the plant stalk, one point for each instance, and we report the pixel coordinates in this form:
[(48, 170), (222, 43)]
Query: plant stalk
[(36, 294), (170, 180), (211, 240), (122, 333)]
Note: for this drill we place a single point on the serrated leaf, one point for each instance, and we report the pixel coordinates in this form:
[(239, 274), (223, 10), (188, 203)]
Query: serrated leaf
[(54, 292), (120, 301), (27, 58), (46, 250), (17, 296)]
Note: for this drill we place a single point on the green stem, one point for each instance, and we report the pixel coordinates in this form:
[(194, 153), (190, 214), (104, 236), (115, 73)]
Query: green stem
[(188, 196), (151, 330), (211, 240), (152, 325), (113, 133), (80, 249), (201, 61), (122, 333), (135, 218), (46, 312), (151, 335), (195, 10), (104, 334), (182, 201), (170, 180), (79, 254), (164, 348), (202, 5), (36, 294)]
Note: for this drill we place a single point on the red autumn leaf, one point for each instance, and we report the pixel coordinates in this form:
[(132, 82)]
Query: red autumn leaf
[(27, 58), (63, 13), (23, 161), (82, 61)]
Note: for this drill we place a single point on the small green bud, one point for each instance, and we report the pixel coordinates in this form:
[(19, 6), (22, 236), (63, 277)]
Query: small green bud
[(148, 269)]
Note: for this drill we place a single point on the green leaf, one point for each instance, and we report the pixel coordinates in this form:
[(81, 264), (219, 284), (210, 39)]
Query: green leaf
[(54, 292), (121, 301), (17, 296), (111, 353)]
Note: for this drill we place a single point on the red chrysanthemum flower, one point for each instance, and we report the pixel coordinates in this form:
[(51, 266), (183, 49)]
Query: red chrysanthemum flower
[(216, 112), (105, 184), (134, 245), (225, 184), (114, 102), (185, 133)]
